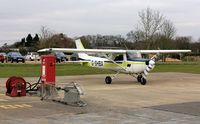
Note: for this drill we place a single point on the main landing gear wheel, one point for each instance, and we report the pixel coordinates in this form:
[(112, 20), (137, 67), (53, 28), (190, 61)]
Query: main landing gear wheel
[(108, 80), (139, 78), (143, 81)]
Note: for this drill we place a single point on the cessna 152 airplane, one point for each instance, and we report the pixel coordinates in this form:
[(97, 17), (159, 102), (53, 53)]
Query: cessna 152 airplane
[(121, 61)]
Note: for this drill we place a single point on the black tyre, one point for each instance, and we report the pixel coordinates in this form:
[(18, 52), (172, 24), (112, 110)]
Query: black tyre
[(143, 81), (58, 60), (108, 80), (12, 60), (17, 61), (23, 61), (139, 78)]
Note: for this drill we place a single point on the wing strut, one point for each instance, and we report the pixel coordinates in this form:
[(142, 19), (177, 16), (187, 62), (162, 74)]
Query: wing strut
[(114, 62)]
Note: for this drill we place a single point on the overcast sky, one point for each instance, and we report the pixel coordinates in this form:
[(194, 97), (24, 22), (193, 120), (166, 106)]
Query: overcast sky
[(82, 17)]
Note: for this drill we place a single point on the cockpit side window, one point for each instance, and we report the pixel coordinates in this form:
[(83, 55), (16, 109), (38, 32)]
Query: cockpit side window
[(119, 58), (133, 55)]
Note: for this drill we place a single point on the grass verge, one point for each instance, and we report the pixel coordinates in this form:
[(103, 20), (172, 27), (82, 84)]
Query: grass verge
[(184, 67), (33, 70)]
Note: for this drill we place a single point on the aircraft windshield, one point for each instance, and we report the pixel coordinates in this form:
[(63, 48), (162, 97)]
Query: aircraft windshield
[(133, 55)]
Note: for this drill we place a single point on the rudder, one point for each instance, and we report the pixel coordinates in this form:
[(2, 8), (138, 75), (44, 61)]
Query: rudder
[(79, 44)]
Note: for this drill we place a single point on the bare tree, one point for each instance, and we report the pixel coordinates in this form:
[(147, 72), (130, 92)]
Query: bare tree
[(168, 29), (183, 42), (61, 40), (135, 36), (164, 38), (45, 32), (151, 22), (153, 30), (45, 37)]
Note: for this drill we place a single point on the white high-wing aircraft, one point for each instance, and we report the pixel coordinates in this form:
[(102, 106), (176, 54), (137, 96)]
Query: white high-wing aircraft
[(121, 61)]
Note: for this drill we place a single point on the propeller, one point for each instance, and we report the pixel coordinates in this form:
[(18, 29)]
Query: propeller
[(150, 65)]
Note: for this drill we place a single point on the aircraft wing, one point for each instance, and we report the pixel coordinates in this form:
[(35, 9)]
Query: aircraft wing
[(69, 50), (163, 51)]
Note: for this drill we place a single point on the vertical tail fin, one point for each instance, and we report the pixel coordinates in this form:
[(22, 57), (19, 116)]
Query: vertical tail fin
[(79, 45)]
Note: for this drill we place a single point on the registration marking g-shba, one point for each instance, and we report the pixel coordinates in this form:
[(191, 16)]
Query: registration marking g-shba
[(96, 63)]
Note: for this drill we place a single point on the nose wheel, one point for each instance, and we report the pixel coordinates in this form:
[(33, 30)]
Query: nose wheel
[(141, 79)]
